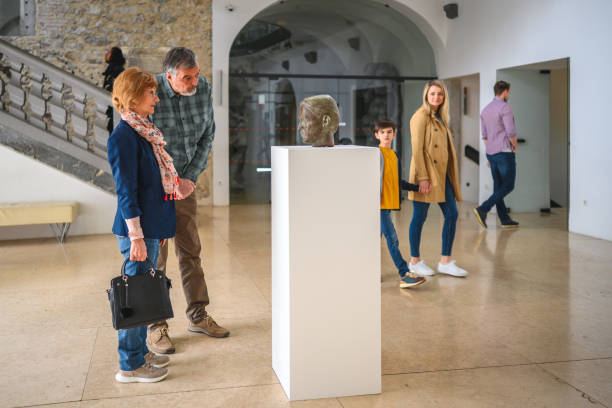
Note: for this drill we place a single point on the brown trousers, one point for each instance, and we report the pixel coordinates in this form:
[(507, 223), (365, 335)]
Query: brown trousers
[(187, 248)]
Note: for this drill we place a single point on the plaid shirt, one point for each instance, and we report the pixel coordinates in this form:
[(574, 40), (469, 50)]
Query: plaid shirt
[(188, 126)]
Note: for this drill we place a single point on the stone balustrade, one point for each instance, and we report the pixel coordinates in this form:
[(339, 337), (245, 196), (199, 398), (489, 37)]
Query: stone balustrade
[(36, 96)]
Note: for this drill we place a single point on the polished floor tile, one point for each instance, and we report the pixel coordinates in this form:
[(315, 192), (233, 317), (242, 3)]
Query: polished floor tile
[(436, 338), (262, 396), (529, 327), (593, 377), (200, 363), (516, 387), (46, 366), (55, 310)]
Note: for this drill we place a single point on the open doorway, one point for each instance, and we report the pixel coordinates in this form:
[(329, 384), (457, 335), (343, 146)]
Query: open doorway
[(540, 101), (464, 109)]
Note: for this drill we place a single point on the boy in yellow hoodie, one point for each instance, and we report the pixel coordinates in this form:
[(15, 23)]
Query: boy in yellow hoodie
[(390, 185)]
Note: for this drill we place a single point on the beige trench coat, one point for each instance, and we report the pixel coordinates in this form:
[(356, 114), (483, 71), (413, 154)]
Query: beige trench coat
[(433, 153)]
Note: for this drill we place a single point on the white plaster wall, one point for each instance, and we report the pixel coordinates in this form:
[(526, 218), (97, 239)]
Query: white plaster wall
[(558, 136), (470, 135), (465, 129), (27, 180), (494, 34)]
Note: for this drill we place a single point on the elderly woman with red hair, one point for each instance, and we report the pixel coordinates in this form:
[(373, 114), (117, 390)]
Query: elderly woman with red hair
[(146, 183)]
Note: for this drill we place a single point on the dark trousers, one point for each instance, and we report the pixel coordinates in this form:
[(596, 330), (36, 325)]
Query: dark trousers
[(419, 215), (187, 248), (503, 170), (388, 230)]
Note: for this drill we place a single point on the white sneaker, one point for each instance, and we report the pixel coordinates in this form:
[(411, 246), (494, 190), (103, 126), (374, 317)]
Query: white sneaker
[(452, 269), (420, 268), (144, 374)]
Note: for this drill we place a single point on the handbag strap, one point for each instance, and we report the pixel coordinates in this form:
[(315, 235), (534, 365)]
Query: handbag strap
[(125, 261), (124, 277)]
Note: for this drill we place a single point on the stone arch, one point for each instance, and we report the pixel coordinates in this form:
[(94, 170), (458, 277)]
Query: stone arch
[(226, 26)]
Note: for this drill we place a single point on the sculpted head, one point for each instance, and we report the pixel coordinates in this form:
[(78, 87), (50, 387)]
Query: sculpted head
[(319, 119)]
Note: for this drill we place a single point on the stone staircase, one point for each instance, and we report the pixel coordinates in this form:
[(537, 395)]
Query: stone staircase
[(54, 117)]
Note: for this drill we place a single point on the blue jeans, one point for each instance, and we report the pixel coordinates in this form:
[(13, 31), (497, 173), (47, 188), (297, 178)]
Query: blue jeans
[(388, 230), (503, 170), (132, 342), (419, 215)]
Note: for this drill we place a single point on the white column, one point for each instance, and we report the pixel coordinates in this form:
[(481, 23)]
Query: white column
[(326, 313)]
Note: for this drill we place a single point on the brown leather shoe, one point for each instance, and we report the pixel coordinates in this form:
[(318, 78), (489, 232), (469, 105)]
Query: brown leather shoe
[(158, 340), (209, 327)]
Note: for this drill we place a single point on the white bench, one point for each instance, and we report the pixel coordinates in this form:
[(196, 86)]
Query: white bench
[(58, 214)]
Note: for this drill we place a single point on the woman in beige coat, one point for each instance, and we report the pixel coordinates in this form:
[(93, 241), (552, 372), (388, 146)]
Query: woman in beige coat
[(434, 168)]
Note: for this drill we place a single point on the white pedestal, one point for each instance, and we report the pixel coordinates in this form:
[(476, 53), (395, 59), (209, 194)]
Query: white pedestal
[(326, 271)]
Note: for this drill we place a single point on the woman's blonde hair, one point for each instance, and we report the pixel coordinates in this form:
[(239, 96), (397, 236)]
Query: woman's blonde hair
[(130, 86), (444, 107)]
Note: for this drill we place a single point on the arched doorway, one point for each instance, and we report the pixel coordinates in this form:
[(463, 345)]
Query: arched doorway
[(372, 59)]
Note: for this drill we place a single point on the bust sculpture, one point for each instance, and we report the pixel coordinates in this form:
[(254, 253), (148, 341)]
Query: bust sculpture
[(319, 119)]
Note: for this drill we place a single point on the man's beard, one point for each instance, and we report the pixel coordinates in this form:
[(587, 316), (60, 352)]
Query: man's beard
[(191, 93)]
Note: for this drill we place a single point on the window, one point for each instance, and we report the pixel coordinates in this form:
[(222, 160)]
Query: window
[(18, 17)]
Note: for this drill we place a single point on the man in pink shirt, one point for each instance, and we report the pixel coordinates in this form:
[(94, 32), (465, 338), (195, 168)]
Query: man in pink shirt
[(499, 136)]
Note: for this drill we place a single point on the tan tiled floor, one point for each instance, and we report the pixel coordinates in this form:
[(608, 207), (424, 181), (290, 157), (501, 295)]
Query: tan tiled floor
[(530, 326)]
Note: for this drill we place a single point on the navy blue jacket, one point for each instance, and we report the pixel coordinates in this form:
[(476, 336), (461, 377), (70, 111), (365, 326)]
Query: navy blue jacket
[(138, 185)]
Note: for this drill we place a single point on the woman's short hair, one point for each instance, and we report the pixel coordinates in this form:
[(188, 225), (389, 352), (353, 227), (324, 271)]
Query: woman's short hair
[(130, 86)]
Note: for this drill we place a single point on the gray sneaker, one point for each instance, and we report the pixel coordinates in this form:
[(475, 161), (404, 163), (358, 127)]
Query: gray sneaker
[(156, 361), (145, 374)]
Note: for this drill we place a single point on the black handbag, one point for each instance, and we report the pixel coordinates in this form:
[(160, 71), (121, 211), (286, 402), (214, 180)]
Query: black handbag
[(141, 299)]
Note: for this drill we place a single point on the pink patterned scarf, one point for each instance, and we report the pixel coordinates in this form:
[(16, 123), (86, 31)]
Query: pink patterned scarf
[(154, 136)]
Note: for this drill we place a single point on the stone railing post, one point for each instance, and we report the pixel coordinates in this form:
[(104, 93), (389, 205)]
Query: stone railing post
[(25, 83), (46, 94), (90, 115), (5, 76), (68, 105)]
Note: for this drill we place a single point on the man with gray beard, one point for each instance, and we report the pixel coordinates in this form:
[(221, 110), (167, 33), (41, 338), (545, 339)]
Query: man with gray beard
[(184, 114)]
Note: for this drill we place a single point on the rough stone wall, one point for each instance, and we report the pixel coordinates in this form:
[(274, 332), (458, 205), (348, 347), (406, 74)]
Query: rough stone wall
[(74, 35)]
